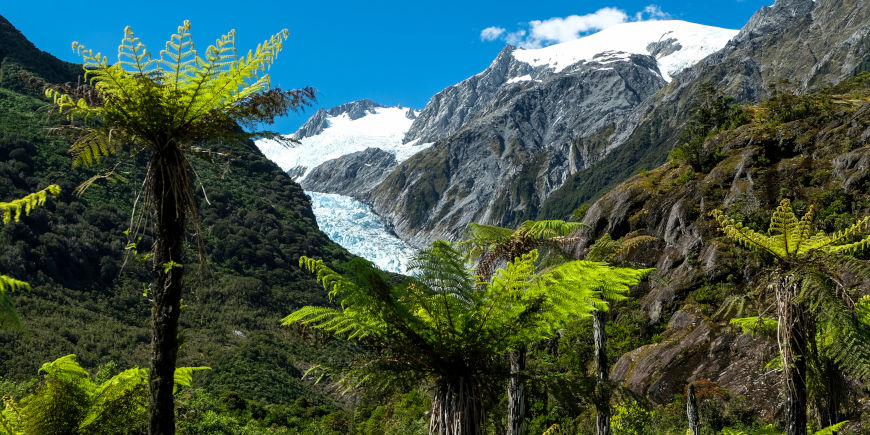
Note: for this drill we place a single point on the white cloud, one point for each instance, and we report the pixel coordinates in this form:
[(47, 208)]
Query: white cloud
[(539, 33), (571, 27), (652, 13), (491, 33)]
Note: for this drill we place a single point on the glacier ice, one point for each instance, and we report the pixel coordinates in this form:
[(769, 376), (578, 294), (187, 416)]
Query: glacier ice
[(353, 225)]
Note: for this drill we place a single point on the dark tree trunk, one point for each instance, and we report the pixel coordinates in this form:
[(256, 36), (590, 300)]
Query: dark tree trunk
[(457, 408), (692, 411), (602, 393), (516, 393), (163, 177), (793, 339), (827, 401), (827, 397)]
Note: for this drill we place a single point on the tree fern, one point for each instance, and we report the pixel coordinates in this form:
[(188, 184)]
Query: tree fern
[(13, 210), (175, 107), (67, 401), (805, 292), (442, 326)]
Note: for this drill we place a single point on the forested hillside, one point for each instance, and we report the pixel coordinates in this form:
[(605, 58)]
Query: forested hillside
[(87, 292)]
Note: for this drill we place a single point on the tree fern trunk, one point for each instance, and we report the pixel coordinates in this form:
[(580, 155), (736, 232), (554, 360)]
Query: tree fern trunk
[(793, 350), (602, 394), (456, 408), (170, 216), (516, 393)]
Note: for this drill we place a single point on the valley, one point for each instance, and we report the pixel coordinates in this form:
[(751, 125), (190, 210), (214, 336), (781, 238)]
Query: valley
[(653, 226)]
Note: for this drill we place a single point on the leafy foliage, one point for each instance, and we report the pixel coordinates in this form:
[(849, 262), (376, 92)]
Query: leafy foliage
[(714, 114), (440, 325), (68, 401), (12, 211), (178, 97), (492, 246)]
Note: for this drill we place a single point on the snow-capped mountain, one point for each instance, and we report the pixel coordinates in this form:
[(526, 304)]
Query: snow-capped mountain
[(672, 45), (509, 136), (675, 45), (319, 163), (342, 130)]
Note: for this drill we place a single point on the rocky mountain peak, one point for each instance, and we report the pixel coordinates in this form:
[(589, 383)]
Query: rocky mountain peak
[(317, 123), (354, 109), (769, 19)]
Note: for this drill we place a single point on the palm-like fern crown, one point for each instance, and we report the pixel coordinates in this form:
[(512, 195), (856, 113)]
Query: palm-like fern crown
[(491, 245), (816, 259), (177, 98), (790, 238), (442, 319)]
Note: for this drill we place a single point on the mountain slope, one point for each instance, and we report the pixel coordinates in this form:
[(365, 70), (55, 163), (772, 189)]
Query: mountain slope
[(511, 135), (88, 299), (808, 44), (817, 156)]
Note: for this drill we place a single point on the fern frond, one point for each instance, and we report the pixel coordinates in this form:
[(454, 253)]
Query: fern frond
[(65, 368), (441, 270), (747, 237), (89, 149), (10, 284), (331, 280), (13, 210), (133, 55), (184, 376), (547, 229), (332, 321), (832, 429), (757, 325), (123, 394)]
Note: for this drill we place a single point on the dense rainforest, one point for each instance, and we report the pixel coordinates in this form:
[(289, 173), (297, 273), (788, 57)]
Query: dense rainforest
[(90, 285)]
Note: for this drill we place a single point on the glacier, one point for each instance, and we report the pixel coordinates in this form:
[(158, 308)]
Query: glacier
[(354, 225)]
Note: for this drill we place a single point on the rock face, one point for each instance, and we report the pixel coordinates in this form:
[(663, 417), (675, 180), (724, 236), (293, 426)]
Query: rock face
[(704, 280), (520, 147), (354, 174), (454, 106), (809, 44), (694, 348)]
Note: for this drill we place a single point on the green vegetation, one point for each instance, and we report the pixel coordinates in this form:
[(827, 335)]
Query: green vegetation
[(445, 329), (67, 401), (812, 293), (13, 210), (713, 114), (171, 108)]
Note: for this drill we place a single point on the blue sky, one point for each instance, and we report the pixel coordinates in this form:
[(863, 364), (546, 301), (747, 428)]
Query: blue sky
[(391, 52)]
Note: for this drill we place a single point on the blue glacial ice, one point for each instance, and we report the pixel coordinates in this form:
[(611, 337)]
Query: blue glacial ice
[(352, 224)]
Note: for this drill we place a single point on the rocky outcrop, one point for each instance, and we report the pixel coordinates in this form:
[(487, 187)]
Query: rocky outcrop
[(693, 349), (456, 105), (702, 280), (353, 175)]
